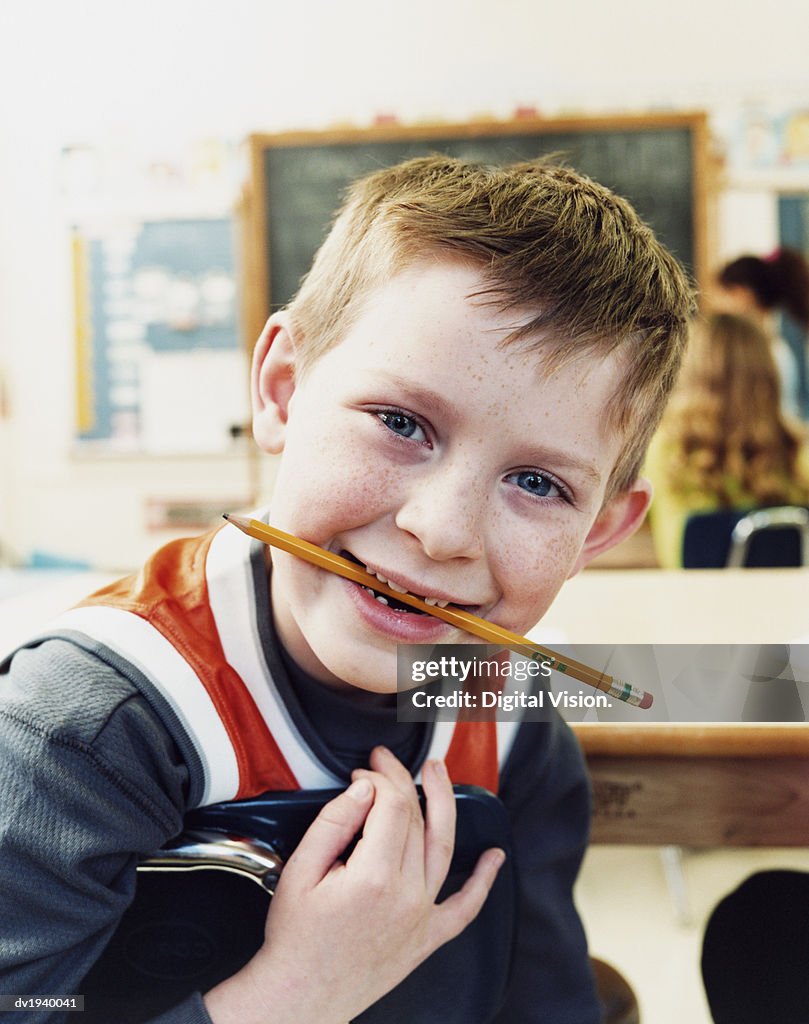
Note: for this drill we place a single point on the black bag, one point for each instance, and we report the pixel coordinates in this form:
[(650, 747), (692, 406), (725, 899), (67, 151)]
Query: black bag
[(200, 906)]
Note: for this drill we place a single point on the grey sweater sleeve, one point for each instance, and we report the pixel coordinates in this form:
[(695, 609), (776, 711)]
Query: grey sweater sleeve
[(89, 780)]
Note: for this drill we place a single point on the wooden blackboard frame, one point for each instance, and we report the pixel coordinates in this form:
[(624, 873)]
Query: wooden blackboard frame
[(793, 231), (258, 218)]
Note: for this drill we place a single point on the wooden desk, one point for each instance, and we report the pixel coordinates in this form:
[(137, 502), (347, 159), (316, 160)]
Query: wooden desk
[(695, 606), (691, 785), (699, 785)]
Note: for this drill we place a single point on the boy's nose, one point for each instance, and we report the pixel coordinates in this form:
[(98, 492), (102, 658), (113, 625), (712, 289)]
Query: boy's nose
[(445, 517)]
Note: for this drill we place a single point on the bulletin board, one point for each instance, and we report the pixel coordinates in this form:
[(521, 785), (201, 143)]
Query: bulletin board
[(658, 162), (160, 369)]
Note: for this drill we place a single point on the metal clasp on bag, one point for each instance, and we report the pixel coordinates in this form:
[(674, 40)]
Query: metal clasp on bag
[(224, 851)]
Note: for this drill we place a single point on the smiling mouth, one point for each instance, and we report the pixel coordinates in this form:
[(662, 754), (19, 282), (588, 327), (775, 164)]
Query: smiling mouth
[(391, 602)]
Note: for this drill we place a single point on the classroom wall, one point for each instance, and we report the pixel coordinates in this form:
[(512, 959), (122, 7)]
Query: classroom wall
[(163, 72)]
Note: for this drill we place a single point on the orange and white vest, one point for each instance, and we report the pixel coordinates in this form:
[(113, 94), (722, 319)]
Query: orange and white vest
[(187, 623)]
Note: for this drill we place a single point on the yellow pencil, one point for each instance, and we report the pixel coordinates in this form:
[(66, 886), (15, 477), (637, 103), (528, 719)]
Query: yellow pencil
[(455, 616)]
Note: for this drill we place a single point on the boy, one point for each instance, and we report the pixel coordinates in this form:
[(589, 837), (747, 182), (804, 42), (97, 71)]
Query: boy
[(461, 393)]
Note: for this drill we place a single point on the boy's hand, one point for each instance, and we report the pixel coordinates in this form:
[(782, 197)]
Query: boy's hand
[(339, 936)]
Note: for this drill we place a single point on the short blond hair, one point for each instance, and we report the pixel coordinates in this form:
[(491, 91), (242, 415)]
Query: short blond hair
[(590, 274)]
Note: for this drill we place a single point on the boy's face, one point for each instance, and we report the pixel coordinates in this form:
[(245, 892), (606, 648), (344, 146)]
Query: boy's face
[(451, 467)]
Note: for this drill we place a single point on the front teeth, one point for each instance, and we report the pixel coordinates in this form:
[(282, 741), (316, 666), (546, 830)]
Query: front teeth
[(395, 586), (403, 590)]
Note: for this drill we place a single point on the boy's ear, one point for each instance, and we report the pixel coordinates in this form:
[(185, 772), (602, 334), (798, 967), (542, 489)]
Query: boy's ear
[(272, 382), (616, 521)]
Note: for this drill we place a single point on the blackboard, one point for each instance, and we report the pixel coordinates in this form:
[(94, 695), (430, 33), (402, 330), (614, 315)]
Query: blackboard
[(298, 180)]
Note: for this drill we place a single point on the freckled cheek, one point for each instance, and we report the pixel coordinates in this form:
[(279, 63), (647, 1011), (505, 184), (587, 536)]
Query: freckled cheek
[(325, 491), (533, 573)]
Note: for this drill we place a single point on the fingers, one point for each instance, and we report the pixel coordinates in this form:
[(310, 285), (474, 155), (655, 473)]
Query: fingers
[(329, 834), (396, 829), (401, 860), (439, 839), (389, 831), (387, 764), (460, 909)]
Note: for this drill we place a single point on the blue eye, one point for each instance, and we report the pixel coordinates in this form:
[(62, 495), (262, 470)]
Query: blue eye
[(537, 484), (401, 424)]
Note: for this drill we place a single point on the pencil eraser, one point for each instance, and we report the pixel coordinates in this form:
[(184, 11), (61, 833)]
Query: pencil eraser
[(646, 702)]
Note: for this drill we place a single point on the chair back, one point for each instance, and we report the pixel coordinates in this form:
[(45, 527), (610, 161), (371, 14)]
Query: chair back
[(755, 950), (756, 538)]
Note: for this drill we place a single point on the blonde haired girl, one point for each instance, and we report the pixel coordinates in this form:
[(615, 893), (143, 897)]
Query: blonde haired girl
[(724, 441)]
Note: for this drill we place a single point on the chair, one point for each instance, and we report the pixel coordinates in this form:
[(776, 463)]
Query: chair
[(619, 1004), (755, 949), (200, 904), (735, 538)]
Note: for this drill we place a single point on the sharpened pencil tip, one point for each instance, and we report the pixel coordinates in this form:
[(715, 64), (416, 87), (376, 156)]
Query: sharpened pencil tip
[(240, 522)]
